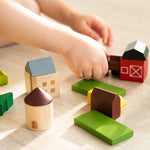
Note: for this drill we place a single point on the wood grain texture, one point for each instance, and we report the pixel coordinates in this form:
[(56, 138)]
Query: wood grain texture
[(130, 21), (41, 116)]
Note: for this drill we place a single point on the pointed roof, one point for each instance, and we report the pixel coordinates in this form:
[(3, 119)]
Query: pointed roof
[(136, 50), (105, 102), (40, 67), (38, 97)]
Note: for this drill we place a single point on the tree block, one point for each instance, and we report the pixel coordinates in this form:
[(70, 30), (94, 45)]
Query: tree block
[(83, 86), (103, 127), (6, 101), (123, 103), (3, 78), (106, 102)]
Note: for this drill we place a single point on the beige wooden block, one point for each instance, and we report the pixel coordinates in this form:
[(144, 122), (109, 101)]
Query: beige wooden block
[(27, 81), (39, 118), (50, 83)]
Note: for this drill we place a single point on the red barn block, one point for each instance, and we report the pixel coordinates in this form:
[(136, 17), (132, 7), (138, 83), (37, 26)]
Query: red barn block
[(134, 62), (105, 102)]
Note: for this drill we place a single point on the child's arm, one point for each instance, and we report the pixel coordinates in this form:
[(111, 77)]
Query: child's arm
[(85, 57), (90, 25)]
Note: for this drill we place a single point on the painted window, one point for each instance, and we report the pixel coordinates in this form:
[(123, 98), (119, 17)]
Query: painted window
[(52, 82), (52, 90), (44, 84), (124, 70)]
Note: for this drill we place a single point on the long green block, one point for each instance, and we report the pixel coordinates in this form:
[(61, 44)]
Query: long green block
[(83, 86), (3, 78), (6, 101), (103, 127)]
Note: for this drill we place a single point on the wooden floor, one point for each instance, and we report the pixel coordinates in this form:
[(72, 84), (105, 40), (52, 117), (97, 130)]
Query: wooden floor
[(130, 21)]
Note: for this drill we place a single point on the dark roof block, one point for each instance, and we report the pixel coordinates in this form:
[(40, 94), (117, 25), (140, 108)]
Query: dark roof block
[(105, 102), (40, 67), (136, 50), (38, 97)]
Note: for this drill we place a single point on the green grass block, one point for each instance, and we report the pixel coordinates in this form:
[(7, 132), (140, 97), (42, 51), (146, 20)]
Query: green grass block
[(6, 101), (3, 78), (103, 127), (83, 86)]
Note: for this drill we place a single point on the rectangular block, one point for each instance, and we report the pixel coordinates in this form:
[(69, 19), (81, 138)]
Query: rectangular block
[(103, 127), (83, 86)]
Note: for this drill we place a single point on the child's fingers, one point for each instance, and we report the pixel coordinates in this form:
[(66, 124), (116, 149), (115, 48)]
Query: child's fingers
[(90, 32), (110, 36), (102, 29), (87, 73), (97, 72)]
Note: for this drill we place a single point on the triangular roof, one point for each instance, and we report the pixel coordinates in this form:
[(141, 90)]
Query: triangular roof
[(38, 97), (136, 50), (40, 67), (98, 92), (105, 102)]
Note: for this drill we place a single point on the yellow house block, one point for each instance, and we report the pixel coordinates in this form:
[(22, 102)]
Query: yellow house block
[(123, 103), (89, 96)]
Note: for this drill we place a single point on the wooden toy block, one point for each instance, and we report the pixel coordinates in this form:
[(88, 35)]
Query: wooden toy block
[(83, 86), (6, 101), (134, 62), (106, 102), (3, 78), (123, 103), (103, 127), (39, 110), (89, 96), (114, 63), (41, 73)]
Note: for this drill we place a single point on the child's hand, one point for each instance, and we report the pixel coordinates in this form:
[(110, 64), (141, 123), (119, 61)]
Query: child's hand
[(92, 26), (87, 59)]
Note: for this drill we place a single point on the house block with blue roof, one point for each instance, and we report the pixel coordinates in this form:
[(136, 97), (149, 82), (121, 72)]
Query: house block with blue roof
[(42, 73)]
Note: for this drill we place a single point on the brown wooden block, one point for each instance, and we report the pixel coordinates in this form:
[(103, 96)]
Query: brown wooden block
[(113, 57), (114, 63), (105, 102)]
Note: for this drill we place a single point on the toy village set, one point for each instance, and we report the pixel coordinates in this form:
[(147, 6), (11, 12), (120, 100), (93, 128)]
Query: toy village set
[(42, 85)]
